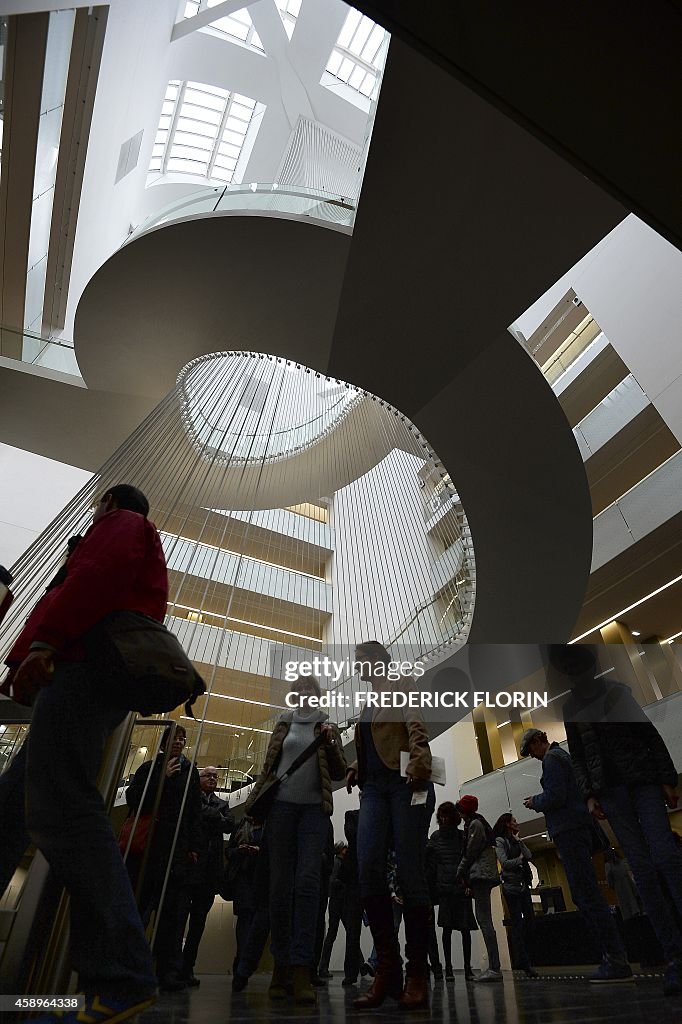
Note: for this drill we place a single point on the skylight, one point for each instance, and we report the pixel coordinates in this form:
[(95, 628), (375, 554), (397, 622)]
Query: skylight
[(202, 130), (289, 10), (355, 60), (237, 26)]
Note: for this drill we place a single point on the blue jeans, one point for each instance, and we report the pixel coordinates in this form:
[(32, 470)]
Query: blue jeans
[(639, 818), (57, 768), (387, 820), (575, 849), (297, 836)]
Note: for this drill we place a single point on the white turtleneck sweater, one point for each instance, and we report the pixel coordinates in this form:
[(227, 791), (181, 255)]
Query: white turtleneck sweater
[(304, 786)]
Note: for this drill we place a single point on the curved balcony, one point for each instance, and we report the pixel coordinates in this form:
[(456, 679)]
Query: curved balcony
[(291, 202)]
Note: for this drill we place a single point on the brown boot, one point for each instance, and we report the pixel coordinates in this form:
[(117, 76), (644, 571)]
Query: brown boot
[(416, 993), (279, 982), (388, 980), (304, 993)]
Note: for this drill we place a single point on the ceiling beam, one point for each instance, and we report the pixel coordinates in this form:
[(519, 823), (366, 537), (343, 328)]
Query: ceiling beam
[(207, 17)]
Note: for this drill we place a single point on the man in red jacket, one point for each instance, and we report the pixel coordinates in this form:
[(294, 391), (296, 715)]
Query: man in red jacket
[(118, 565)]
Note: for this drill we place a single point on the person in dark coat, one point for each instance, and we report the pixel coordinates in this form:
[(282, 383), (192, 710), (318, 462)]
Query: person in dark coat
[(514, 857), (335, 905), (248, 886), (455, 911), (328, 858), (478, 871), (180, 784), (625, 773), (568, 824), (206, 876), (352, 901)]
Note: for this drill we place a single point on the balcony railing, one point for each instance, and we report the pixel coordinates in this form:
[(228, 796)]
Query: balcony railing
[(256, 199)]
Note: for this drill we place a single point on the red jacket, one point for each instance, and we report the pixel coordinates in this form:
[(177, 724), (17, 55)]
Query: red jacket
[(118, 565)]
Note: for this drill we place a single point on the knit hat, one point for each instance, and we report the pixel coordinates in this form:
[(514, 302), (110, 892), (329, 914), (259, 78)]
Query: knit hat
[(467, 804)]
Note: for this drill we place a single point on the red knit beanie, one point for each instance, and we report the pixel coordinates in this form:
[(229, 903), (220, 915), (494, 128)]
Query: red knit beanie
[(467, 804)]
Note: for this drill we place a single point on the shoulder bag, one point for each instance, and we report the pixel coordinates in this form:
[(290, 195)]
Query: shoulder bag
[(147, 662), (140, 835)]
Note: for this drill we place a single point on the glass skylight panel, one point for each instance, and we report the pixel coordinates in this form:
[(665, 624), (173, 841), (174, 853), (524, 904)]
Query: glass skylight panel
[(355, 58), (289, 11), (237, 25), (201, 131)]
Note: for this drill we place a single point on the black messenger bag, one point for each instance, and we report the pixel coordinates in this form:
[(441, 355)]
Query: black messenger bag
[(145, 662)]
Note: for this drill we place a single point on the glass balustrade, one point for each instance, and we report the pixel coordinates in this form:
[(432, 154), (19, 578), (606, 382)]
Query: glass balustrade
[(255, 198)]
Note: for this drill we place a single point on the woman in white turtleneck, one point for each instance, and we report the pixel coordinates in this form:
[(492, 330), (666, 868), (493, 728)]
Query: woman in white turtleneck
[(297, 828)]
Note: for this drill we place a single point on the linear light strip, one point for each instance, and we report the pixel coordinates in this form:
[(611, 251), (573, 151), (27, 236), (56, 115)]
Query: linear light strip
[(673, 637), (227, 725), (238, 554), (623, 611), (245, 700), (244, 622)]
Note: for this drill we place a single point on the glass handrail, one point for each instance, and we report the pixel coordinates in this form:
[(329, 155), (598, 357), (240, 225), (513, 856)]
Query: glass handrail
[(51, 353), (296, 200)]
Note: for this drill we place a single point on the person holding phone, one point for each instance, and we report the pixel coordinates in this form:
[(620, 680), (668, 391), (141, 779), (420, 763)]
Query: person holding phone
[(180, 798), (394, 811)]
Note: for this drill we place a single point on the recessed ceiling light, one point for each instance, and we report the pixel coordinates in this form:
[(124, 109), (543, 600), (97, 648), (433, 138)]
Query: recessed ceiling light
[(636, 633)]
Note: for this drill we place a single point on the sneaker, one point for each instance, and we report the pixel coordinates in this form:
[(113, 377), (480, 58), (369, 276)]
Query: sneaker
[(489, 975), (347, 982), (239, 982), (190, 980), (325, 974), (99, 1010), (672, 980), (449, 976), (609, 973)]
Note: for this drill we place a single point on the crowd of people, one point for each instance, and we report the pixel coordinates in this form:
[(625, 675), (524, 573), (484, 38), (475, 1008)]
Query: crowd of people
[(137, 920)]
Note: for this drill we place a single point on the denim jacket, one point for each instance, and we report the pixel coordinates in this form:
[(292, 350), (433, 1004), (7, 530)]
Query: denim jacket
[(560, 801)]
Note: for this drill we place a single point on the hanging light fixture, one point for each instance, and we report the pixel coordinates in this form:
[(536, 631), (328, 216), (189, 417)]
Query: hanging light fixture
[(299, 514)]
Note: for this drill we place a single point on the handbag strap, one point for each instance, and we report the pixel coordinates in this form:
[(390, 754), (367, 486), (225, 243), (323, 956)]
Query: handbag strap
[(302, 757)]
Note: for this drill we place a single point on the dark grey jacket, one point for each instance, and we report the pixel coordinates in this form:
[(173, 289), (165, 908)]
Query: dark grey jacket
[(513, 855), (614, 727), (479, 863)]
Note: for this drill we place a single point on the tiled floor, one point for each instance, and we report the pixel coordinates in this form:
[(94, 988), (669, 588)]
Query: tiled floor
[(515, 1001)]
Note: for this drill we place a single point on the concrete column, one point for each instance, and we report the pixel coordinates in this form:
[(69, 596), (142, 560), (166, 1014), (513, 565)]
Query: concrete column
[(627, 661), (488, 737), (662, 663)]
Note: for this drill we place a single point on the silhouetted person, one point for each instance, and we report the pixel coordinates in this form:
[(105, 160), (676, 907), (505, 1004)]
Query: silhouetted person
[(568, 824), (626, 774), (119, 564), (206, 877)]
